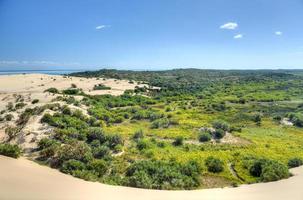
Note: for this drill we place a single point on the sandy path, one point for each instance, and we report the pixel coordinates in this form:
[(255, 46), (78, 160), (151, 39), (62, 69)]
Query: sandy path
[(23, 179)]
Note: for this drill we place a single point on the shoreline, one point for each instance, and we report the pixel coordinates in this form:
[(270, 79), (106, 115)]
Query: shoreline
[(47, 183)]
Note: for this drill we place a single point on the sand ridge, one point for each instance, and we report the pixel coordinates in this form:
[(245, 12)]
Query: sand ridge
[(26, 180)]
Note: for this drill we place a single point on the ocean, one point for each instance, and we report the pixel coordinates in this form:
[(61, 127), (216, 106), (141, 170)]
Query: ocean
[(52, 72)]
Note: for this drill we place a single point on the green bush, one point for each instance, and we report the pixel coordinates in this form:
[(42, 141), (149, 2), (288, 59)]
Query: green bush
[(8, 117), (100, 167), (101, 87), (178, 141), (138, 135), (10, 150), (71, 91), (52, 90), (268, 170), (72, 165), (295, 162), (220, 124), (35, 101), (219, 133), (163, 175), (204, 137), (214, 165)]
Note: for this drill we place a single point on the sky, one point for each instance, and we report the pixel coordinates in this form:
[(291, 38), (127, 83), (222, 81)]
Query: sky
[(151, 34)]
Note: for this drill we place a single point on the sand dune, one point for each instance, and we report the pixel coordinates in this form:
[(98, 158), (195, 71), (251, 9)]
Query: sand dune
[(24, 179)]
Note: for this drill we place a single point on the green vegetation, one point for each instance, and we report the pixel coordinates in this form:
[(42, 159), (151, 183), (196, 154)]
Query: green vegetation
[(101, 87), (10, 150), (295, 162), (187, 129)]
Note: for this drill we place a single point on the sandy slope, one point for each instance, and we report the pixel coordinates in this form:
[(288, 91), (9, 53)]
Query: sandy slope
[(23, 179)]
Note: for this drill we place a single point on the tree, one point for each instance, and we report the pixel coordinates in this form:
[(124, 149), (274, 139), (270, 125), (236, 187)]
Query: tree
[(214, 165)]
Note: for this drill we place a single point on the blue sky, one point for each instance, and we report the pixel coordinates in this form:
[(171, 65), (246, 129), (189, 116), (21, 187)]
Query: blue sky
[(151, 34)]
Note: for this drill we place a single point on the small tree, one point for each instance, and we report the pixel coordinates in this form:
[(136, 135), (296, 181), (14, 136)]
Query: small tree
[(214, 165), (204, 137)]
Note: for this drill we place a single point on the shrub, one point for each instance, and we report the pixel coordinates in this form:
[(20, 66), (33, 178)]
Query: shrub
[(45, 143), (71, 91), (219, 124), (11, 132), (72, 165), (295, 162), (101, 87), (98, 166), (100, 151), (268, 170), (163, 175), (214, 165), (8, 117), (219, 133), (204, 137), (178, 141), (74, 150), (95, 133), (114, 140), (35, 101), (13, 151), (52, 90), (142, 144), (20, 105), (138, 135)]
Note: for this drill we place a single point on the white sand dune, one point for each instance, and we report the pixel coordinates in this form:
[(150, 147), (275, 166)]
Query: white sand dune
[(24, 179)]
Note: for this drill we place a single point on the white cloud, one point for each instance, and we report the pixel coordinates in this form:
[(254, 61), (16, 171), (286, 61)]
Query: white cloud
[(102, 27), (239, 36), (278, 33), (229, 25)]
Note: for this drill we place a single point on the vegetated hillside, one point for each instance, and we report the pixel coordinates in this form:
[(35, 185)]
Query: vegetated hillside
[(196, 129)]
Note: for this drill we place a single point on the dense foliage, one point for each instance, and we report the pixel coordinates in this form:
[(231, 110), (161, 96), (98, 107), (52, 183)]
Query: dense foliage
[(187, 129)]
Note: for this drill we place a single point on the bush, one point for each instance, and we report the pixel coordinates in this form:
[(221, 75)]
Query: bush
[(101, 87), (214, 165), (71, 91), (295, 162), (72, 165), (219, 124), (101, 151), (13, 151), (268, 170), (142, 144), (20, 105), (204, 137), (98, 166), (35, 101), (74, 150), (8, 117), (138, 135), (178, 141), (219, 133), (114, 140), (163, 175), (52, 90)]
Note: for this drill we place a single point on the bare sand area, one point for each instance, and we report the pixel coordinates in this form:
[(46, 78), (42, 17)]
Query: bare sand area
[(24, 88), (24, 179), (33, 86)]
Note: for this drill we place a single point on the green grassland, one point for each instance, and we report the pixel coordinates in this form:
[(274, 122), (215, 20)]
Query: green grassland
[(149, 138)]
